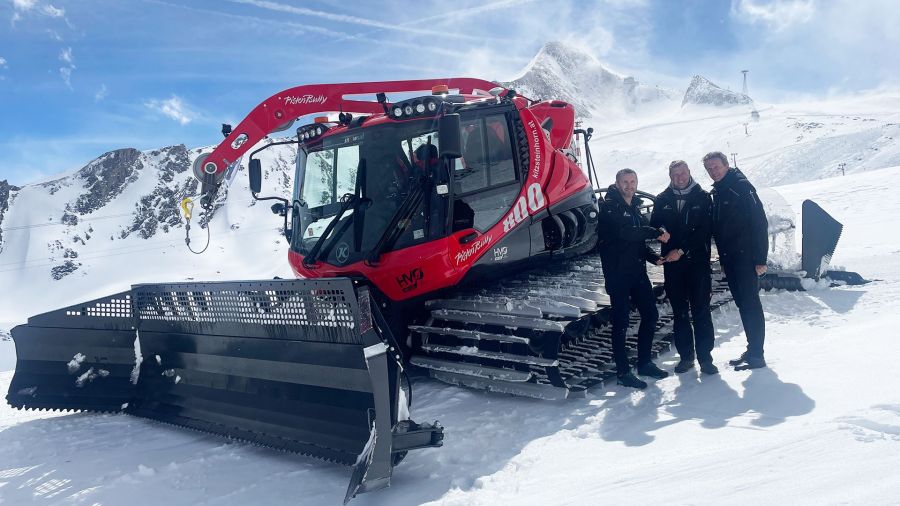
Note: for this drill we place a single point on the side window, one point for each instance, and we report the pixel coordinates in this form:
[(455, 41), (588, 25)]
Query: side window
[(499, 151), (471, 170), (330, 174), (483, 176), (319, 177), (347, 165)]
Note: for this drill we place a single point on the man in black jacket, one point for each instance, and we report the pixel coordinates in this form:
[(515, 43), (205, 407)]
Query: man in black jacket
[(624, 233), (684, 210), (740, 229)]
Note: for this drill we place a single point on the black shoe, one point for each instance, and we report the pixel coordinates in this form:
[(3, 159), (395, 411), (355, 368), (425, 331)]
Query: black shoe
[(684, 365), (630, 380), (752, 363), (650, 369), (740, 360), (709, 368)]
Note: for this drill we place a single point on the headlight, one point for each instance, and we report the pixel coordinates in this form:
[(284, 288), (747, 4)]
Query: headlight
[(408, 110), (397, 112), (432, 106), (420, 108)]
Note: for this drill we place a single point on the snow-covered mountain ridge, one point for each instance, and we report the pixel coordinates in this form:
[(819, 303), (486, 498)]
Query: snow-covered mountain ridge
[(563, 72)]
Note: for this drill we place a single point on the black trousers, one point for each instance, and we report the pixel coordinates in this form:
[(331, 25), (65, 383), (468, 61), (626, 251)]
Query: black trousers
[(744, 285), (623, 289), (689, 288)]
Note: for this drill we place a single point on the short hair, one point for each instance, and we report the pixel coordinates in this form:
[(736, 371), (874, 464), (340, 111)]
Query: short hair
[(678, 163), (623, 172), (716, 154)]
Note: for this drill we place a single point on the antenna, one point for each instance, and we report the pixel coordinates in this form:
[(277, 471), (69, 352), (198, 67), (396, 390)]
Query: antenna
[(745, 82)]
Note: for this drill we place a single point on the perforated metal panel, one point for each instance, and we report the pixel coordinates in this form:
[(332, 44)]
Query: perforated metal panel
[(111, 312), (325, 309), (112, 308)]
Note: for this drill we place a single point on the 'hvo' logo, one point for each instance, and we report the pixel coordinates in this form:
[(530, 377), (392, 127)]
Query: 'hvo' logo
[(410, 280)]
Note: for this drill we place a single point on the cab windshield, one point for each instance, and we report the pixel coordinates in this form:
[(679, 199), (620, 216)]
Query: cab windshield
[(369, 172)]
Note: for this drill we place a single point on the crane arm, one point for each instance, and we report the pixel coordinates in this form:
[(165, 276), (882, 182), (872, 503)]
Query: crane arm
[(279, 110)]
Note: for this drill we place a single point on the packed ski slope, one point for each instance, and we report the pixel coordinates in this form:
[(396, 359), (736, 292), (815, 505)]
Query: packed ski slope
[(790, 143)]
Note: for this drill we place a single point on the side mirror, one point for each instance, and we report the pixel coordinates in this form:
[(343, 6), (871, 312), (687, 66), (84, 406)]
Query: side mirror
[(279, 208), (449, 136), (255, 175)]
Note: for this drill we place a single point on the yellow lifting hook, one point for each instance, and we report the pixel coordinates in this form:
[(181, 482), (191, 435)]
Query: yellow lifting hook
[(187, 206)]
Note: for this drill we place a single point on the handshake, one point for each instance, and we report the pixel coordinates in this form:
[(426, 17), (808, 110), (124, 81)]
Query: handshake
[(664, 236), (674, 255)]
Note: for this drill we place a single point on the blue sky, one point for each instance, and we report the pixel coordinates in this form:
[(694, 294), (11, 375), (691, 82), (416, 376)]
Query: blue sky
[(81, 77)]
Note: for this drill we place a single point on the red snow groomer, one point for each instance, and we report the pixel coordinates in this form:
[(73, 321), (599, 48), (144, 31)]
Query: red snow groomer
[(450, 230)]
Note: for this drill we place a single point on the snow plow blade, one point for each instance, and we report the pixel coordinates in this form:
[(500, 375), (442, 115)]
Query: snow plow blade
[(306, 366), (821, 233)]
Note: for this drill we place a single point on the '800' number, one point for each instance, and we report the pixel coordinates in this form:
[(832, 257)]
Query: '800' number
[(530, 203)]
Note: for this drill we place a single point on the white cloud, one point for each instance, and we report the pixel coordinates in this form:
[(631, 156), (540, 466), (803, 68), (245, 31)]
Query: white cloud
[(65, 56), (24, 5), (53, 12), (843, 45), (778, 14), (101, 93), (66, 74), (50, 10), (2, 62), (355, 20), (174, 108)]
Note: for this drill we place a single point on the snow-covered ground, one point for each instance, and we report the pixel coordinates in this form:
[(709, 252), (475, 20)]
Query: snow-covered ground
[(821, 425)]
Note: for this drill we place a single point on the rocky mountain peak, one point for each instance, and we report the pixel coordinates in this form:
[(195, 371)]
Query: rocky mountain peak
[(106, 176), (703, 91), (6, 190), (565, 72)]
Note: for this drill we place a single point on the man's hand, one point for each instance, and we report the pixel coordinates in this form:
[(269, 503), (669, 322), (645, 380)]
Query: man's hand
[(674, 255), (664, 236), (761, 269)]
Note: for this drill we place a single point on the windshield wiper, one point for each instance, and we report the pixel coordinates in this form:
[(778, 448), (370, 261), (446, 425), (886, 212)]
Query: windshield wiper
[(348, 200), (403, 217)]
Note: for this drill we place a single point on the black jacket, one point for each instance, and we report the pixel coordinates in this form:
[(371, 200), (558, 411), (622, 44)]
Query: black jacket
[(740, 227), (624, 233), (691, 228)]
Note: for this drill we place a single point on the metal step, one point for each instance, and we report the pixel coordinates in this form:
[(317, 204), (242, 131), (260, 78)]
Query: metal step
[(507, 307), (469, 334), (468, 369), (471, 351), (510, 321)]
